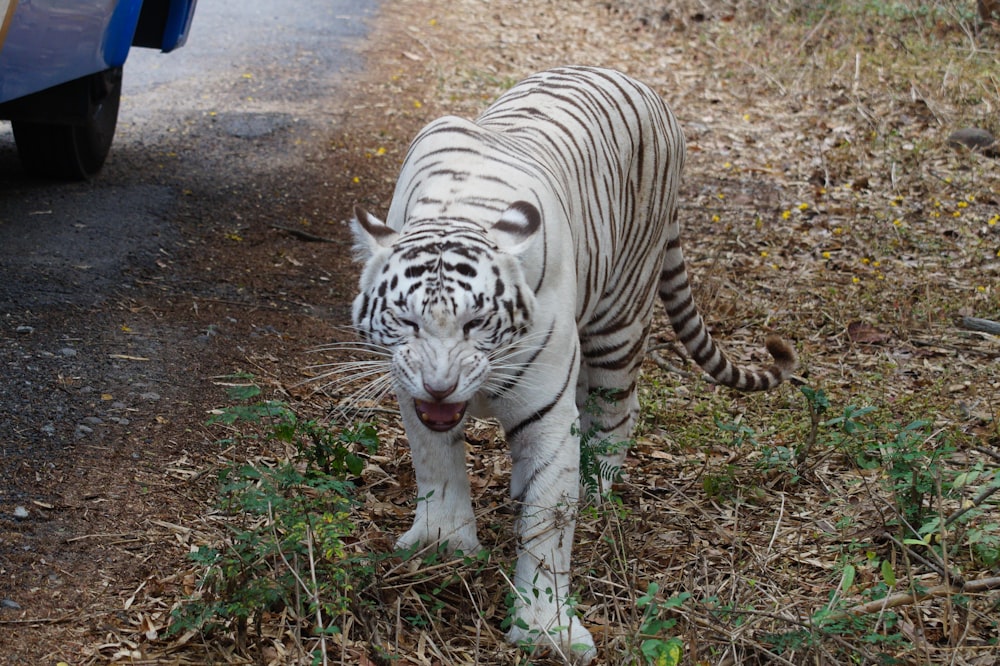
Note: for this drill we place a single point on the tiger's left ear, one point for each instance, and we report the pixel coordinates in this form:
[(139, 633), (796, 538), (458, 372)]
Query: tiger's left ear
[(516, 228), (370, 234)]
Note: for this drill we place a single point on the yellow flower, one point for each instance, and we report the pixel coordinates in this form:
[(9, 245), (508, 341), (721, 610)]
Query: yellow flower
[(803, 206), (826, 255), (726, 165), (897, 222), (855, 279), (786, 214), (981, 289), (417, 104), (380, 151), (764, 253), (993, 220), (866, 260), (962, 204), (838, 230), (716, 218), (355, 180)]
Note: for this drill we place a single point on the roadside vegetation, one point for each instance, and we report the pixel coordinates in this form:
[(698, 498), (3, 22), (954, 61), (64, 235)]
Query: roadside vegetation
[(850, 517)]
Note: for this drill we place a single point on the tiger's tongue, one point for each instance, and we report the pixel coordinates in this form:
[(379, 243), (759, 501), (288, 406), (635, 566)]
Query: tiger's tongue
[(440, 416)]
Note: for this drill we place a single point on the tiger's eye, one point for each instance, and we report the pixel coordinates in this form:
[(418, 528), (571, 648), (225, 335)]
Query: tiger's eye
[(406, 321), (473, 324)]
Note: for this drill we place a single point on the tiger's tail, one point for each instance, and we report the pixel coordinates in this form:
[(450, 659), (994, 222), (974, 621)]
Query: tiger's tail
[(675, 291)]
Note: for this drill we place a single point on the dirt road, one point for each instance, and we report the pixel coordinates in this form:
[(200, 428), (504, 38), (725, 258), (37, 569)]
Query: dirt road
[(121, 299)]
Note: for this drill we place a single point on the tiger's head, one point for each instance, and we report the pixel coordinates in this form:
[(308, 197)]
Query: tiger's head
[(449, 301)]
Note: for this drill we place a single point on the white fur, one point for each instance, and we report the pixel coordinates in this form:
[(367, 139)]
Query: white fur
[(571, 201)]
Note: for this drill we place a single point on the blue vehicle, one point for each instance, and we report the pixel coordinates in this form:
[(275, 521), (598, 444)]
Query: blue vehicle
[(61, 73)]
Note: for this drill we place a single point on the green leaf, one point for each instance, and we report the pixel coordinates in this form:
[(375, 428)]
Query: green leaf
[(244, 392), (888, 575), (647, 598), (847, 580), (355, 465)]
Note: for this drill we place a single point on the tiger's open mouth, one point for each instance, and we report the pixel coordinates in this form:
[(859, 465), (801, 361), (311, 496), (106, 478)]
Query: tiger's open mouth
[(440, 416)]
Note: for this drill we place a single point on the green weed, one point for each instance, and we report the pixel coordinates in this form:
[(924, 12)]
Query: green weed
[(287, 520)]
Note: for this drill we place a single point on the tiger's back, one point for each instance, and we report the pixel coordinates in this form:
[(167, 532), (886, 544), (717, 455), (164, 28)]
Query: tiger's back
[(607, 193)]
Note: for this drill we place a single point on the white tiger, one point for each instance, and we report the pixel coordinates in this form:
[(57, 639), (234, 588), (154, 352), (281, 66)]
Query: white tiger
[(515, 277)]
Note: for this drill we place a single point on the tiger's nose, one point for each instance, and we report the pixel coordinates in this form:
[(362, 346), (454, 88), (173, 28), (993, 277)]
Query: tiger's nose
[(439, 394)]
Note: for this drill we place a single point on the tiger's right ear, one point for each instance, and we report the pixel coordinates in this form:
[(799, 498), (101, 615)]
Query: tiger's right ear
[(370, 234)]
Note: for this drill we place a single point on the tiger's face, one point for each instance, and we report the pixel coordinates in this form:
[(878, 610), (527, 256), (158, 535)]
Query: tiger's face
[(451, 306)]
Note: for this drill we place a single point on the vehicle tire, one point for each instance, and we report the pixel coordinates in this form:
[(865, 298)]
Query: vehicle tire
[(73, 151)]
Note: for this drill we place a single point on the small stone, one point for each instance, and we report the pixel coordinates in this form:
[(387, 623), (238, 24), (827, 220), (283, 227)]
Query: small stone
[(24, 330), (9, 604), (93, 420), (83, 431), (976, 139), (68, 351), (150, 396), (20, 512)]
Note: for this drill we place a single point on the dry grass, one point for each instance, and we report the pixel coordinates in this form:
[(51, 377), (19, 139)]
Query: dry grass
[(820, 201)]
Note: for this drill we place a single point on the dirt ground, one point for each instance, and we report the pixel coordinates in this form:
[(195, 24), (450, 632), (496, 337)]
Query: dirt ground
[(110, 365), (90, 575)]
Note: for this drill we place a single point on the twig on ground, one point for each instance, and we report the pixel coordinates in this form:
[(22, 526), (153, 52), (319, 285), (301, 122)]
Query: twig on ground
[(981, 325), (304, 235), (982, 497), (913, 597), (666, 365)]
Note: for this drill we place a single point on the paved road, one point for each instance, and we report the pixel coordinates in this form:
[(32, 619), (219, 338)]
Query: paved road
[(224, 107)]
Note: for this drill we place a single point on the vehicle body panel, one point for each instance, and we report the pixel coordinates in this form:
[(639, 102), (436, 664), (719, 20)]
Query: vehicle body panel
[(44, 43)]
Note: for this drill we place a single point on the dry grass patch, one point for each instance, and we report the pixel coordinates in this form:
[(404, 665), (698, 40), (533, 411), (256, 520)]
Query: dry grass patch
[(849, 519)]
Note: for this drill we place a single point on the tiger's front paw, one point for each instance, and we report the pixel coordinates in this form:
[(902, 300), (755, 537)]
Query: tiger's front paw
[(566, 636)]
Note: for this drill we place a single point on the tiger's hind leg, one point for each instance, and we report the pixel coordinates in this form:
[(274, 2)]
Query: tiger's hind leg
[(609, 407), (607, 417)]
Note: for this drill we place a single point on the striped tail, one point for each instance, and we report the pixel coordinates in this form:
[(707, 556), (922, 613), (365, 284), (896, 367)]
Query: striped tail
[(675, 290)]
